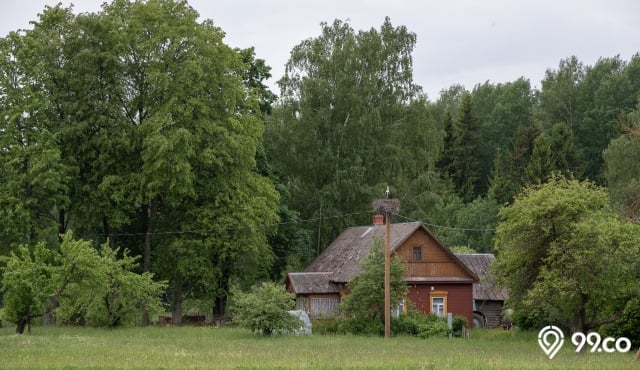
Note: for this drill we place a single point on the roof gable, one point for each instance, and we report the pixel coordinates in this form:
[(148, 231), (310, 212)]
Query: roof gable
[(344, 256)]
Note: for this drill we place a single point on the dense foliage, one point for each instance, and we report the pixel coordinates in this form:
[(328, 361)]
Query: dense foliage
[(77, 285), (565, 257), (137, 126), (366, 297), (264, 309)]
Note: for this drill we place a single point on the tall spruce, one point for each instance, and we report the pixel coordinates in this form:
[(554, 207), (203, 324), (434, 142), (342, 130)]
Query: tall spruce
[(466, 173)]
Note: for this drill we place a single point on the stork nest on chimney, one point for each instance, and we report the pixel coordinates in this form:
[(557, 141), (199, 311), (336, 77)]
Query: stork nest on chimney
[(390, 206)]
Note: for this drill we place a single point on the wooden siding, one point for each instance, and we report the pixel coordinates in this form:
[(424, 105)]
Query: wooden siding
[(435, 260), (459, 298), (491, 313)]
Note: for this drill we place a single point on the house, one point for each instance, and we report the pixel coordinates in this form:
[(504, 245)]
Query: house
[(438, 281), (488, 301)]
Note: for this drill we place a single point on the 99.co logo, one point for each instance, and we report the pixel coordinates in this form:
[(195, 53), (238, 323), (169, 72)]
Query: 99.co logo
[(598, 344), (551, 339)]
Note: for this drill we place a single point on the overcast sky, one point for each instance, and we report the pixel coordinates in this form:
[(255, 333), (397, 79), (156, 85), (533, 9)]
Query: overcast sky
[(459, 41)]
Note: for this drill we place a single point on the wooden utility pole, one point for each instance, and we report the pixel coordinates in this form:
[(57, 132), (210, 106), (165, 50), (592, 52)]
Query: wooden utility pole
[(387, 277), (390, 207)]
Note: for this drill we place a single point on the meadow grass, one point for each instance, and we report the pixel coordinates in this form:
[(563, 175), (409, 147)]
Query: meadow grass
[(229, 347)]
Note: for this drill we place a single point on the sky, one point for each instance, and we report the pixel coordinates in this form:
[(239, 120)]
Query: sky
[(465, 42)]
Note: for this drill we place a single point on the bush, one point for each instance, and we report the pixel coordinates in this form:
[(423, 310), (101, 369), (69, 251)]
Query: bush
[(433, 326), (458, 323), (407, 324), (264, 309)]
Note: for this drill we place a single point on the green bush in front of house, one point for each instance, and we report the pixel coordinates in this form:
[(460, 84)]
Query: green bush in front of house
[(433, 326), (408, 324), (458, 323), (264, 309)]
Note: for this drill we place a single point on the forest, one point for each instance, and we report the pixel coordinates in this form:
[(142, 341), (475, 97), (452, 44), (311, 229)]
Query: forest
[(139, 132)]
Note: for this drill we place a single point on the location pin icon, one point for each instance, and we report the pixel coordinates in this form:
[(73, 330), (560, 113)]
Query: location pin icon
[(550, 339)]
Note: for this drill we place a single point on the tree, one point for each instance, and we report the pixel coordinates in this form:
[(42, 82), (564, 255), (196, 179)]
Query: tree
[(134, 121), (564, 256), (77, 284), (509, 176), (622, 159), (34, 177), (605, 94), (96, 288), (473, 222), (366, 297), (559, 94), (26, 285), (466, 165), (501, 109), (264, 309), (345, 97)]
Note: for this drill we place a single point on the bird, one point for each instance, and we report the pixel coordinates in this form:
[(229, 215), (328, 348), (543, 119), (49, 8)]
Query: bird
[(387, 193)]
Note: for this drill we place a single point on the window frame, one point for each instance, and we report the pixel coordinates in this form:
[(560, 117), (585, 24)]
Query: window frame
[(438, 295), (417, 253)]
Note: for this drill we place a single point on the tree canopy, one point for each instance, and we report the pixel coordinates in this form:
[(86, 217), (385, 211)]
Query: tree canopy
[(139, 127), (565, 257)]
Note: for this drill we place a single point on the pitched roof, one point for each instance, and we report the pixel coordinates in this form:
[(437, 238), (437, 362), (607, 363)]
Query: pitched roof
[(347, 252), (312, 282), (480, 263)]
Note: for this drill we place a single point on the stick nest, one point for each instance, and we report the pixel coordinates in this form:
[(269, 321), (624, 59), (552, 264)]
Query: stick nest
[(391, 206)]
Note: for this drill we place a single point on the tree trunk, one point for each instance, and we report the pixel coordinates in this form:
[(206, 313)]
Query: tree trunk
[(149, 214), (176, 314), (24, 321), (220, 306), (113, 244)]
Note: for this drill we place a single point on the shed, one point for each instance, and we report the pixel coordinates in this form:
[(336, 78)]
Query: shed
[(488, 301)]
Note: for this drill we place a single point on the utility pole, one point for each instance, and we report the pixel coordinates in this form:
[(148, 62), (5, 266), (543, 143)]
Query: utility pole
[(390, 207), (387, 276)]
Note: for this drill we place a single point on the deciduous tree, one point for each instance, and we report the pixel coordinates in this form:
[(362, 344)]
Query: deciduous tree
[(564, 256)]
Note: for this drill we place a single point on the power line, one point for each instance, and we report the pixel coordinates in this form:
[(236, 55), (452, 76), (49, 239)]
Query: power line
[(446, 227), (218, 229), (297, 222)]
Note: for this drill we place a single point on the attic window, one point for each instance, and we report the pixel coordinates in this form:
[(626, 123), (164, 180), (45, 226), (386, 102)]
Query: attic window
[(417, 253)]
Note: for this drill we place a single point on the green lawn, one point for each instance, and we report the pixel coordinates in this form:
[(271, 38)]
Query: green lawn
[(206, 347)]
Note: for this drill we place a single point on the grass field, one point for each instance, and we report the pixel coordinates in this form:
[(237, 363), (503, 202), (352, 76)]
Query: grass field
[(228, 347)]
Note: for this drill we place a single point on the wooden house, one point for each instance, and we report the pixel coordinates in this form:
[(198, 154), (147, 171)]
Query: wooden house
[(488, 301), (438, 281)]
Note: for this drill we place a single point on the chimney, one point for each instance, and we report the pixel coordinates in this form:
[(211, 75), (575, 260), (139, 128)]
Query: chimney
[(378, 219)]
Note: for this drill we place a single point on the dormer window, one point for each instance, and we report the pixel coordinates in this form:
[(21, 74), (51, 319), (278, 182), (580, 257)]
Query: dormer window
[(417, 254)]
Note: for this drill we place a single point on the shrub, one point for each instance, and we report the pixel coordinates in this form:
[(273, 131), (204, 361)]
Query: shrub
[(264, 309), (458, 323), (433, 326), (407, 324)]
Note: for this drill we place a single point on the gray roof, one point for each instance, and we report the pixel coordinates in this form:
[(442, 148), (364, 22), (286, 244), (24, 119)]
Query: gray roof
[(480, 263), (347, 252), (312, 282)]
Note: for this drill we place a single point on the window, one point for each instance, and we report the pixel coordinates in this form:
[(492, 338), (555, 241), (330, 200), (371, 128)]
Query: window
[(439, 303), (324, 306), (417, 253), (437, 306), (399, 308)]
